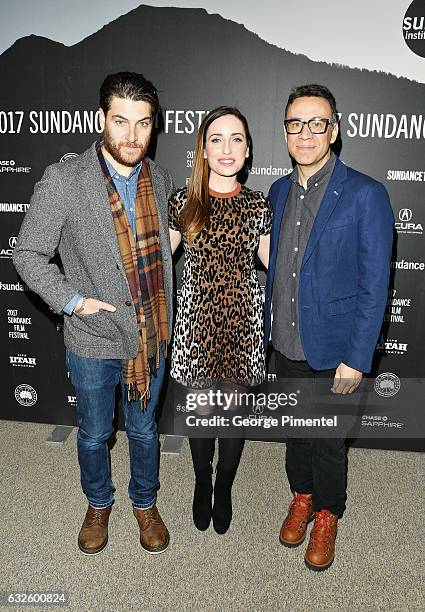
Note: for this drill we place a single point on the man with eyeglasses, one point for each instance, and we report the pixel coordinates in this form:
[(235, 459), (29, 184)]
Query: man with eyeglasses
[(327, 283)]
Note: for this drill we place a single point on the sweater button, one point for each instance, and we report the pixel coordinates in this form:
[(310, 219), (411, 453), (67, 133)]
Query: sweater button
[(128, 303)]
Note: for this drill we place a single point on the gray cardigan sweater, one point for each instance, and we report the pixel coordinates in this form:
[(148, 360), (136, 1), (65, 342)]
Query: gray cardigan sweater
[(70, 213)]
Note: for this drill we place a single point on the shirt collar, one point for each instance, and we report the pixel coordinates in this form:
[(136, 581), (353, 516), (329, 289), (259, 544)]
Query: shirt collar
[(115, 174)]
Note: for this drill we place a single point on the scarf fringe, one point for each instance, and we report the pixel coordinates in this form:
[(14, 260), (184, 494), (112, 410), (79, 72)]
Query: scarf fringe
[(134, 394)]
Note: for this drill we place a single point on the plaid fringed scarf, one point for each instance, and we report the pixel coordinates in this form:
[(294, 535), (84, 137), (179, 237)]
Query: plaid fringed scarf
[(143, 267)]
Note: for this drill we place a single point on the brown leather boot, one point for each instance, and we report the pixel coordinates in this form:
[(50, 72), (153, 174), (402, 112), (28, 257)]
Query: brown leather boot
[(93, 535), (320, 551), (294, 527), (154, 536)]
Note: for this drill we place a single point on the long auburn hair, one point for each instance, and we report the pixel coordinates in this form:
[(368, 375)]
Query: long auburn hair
[(197, 210)]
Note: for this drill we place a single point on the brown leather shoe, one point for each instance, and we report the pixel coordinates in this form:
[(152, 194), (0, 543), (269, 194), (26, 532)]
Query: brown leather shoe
[(294, 527), (320, 551), (93, 535), (154, 536)]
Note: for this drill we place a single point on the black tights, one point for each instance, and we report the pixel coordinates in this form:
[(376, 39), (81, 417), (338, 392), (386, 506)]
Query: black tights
[(229, 454)]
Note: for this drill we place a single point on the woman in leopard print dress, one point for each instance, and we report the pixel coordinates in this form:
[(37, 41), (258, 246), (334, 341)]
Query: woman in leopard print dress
[(218, 335)]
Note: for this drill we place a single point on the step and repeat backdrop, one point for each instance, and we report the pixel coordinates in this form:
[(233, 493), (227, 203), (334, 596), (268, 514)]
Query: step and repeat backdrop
[(49, 113)]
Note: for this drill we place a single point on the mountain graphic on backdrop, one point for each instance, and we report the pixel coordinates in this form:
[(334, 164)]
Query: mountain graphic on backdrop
[(197, 61)]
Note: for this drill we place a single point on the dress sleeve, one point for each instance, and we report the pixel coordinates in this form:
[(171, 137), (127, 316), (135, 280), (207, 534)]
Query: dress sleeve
[(174, 209), (266, 217)]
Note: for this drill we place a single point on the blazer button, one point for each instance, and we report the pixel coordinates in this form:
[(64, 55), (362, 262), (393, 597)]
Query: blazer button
[(128, 303), (118, 267)]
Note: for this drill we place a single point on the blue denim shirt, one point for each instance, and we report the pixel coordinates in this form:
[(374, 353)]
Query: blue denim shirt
[(127, 189)]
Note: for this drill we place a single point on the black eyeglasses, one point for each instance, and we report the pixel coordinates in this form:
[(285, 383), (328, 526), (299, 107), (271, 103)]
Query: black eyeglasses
[(317, 125)]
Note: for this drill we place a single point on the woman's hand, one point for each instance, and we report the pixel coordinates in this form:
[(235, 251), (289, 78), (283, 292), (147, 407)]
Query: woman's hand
[(175, 239), (264, 249)]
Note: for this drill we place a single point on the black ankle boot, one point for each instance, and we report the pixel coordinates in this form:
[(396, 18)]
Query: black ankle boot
[(222, 510), (202, 500)]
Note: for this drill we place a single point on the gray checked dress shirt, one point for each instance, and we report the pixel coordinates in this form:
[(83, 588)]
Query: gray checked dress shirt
[(297, 222)]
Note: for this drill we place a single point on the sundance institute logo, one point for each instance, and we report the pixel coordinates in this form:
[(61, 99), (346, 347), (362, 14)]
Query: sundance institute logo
[(414, 27)]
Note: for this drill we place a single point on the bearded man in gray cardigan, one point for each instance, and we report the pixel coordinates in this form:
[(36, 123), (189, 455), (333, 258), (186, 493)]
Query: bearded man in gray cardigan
[(105, 212)]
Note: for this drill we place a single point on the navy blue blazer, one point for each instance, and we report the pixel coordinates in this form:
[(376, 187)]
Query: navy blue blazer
[(343, 284)]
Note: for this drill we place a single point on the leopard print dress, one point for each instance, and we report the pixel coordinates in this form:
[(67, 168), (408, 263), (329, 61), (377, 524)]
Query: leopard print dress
[(218, 335)]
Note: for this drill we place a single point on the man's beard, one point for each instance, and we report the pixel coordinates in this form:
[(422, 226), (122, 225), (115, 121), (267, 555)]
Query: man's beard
[(123, 157)]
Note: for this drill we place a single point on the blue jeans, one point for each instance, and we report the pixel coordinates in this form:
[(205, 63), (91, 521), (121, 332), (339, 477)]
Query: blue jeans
[(95, 381)]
